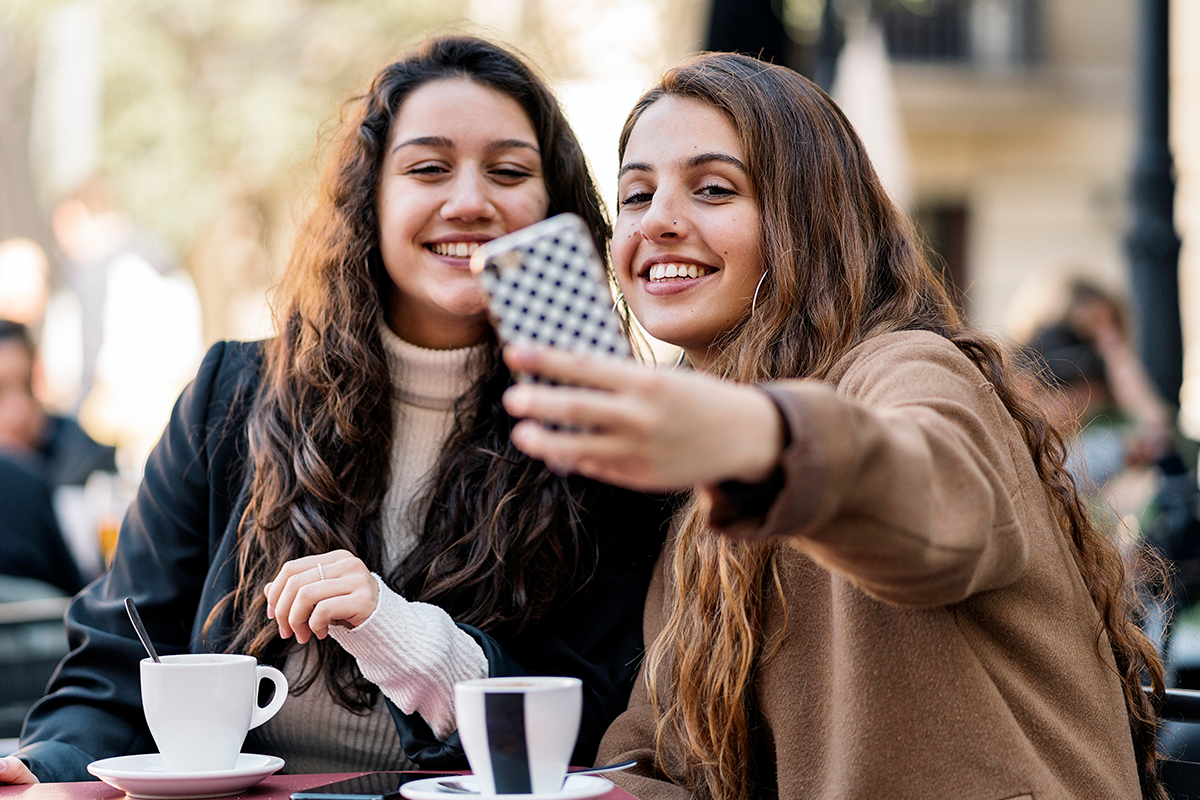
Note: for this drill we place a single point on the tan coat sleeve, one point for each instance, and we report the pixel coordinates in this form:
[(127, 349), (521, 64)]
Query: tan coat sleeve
[(899, 476)]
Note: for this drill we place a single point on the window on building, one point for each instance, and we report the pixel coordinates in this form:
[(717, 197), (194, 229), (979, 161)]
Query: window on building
[(988, 34), (944, 227)]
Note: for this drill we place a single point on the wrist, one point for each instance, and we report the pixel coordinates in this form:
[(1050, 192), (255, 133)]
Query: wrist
[(764, 445)]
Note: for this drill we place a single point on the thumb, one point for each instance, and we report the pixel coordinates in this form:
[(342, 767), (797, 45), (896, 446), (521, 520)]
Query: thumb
[(13, 770)]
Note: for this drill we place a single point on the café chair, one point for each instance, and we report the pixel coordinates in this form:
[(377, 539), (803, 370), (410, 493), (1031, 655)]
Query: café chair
[(33, 640), (1181, 723)]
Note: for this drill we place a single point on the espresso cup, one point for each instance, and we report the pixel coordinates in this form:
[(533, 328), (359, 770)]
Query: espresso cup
[(519, 733), (200, 706)]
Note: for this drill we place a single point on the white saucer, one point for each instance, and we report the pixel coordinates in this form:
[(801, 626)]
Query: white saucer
[(146, 776), (576, 787)]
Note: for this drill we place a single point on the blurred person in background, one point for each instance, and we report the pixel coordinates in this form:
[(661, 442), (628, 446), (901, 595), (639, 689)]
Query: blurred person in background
[(884, 583), (38, 451), (1101, 391), (70, 467), (61, 450), (1083, 368), (88, 493), (137, 317), (343, 500)]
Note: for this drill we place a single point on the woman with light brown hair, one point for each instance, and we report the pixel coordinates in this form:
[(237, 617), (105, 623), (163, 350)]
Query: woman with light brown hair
[(342, 500), (885, 583)]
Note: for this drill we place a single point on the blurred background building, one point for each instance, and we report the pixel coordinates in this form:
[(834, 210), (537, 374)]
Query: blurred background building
[(1008, 128)]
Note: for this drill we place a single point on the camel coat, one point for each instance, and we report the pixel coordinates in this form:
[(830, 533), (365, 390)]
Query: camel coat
[(940, 640)]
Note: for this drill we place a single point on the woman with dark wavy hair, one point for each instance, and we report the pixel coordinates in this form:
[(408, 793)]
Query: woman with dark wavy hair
[(908, 599), (343, 500)]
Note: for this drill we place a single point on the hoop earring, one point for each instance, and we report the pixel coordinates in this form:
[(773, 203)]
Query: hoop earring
[(617, 302), (678, 361), (754, 300)]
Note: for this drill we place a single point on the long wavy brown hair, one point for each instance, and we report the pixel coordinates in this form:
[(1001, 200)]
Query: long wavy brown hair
[(502, 540), (843, 265)]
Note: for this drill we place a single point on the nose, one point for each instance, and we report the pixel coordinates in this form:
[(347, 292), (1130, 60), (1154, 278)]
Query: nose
[(666, 217), (663, 220), (468, 200)]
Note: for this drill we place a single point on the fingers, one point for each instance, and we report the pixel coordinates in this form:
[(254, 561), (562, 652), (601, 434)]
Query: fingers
[(284, 588), (597, 372), (566, 451), (300, 595), (13, 771), (573, 407), (348, 610), (311, 593)]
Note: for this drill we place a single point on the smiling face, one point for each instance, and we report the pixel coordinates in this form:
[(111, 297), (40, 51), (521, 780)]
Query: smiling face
[(686, 245), (462, 167)]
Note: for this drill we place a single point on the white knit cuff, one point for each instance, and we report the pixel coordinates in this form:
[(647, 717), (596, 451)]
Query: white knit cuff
[(415, 654)]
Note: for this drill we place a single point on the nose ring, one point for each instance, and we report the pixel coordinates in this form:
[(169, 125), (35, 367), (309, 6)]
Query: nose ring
[(674, 222)]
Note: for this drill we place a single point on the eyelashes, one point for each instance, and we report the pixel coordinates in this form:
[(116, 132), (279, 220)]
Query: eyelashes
[(636, 198), (708, 190), (716, 190)]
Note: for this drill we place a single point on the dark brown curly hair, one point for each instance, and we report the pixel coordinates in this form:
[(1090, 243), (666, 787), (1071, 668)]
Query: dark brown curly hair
[(845, 265), (502, 540)]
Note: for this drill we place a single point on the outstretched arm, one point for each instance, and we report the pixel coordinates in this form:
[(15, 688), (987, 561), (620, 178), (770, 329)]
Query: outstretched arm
[(901, 476), (631, 426)]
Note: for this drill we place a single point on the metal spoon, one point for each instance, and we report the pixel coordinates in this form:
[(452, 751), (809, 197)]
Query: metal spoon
[(140, 628), (454, 787)]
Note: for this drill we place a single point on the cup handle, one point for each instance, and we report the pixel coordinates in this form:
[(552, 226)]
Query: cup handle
[(263, 713)]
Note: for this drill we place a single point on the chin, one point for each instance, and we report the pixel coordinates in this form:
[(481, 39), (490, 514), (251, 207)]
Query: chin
[(677, 333), (470, 302)]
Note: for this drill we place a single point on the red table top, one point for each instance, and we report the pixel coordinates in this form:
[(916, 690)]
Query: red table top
[(275, 787)]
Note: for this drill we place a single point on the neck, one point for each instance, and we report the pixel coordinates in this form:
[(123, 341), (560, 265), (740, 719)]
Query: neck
[(701, 358)]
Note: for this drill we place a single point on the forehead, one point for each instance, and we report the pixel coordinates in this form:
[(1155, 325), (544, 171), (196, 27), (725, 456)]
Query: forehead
[(460, 108), (679, 127)]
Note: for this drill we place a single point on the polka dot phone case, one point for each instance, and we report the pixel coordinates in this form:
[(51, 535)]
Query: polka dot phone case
[(547, 286)]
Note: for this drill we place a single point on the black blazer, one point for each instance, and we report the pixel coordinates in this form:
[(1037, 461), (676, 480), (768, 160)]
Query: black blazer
[(175, 558)]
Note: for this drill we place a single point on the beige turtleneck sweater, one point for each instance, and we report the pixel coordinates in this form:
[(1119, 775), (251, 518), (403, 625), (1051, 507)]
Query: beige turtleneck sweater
[(413, 651)]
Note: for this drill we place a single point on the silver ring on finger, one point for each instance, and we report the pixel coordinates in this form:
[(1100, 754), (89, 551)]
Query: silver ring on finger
[(320, 572)]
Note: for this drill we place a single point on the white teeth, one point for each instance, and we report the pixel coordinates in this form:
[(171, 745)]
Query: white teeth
[(454, 249), (663, 272)]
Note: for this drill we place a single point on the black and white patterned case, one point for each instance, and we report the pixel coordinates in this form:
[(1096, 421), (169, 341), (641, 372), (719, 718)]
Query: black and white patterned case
[(547, 286)]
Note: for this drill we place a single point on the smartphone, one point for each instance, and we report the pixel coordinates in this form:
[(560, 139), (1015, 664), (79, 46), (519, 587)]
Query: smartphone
[(372, 786), (546, 285)]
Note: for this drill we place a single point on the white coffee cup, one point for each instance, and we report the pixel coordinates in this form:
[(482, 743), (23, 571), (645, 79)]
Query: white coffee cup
[(200, 706), (519, 733)]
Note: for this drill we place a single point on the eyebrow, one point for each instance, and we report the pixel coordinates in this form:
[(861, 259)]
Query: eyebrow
[(448, 144), (688, 163)]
